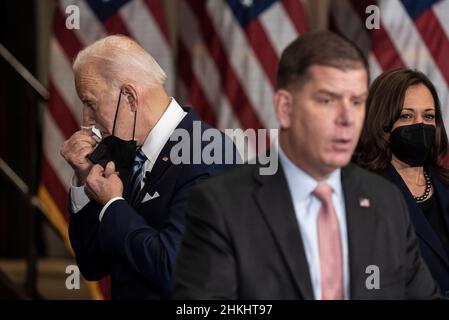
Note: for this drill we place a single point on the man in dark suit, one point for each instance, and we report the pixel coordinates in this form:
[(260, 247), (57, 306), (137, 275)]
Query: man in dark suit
[(127, 211), (318, 228)]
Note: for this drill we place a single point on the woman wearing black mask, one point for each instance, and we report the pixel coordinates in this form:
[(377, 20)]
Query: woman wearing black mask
[(404, 139)]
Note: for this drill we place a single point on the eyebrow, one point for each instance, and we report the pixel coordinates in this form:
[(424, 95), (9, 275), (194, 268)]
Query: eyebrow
[(335, 95), (321, 91), (88, 99), (428, 109), (363, 95)]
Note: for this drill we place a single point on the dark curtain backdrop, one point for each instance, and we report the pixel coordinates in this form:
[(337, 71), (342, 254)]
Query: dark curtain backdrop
[(19, 131)]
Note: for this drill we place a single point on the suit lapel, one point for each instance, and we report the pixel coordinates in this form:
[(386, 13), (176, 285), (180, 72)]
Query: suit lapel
[(442, 193), (361, 228), (163, 161), (152, 177), (274, 201)]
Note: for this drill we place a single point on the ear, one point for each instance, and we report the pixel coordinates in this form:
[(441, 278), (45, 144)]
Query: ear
[(283, 101), (130, 92)]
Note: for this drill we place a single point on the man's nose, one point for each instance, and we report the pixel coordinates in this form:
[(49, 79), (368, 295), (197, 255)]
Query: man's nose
[(88, 116), (346, 115)]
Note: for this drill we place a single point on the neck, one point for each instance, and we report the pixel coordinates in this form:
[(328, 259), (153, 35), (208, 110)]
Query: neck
[(319, 174), (152, 111), (408, 173)]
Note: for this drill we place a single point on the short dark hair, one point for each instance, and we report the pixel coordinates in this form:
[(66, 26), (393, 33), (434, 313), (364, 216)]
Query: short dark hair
[(317, 48), (383, 108)]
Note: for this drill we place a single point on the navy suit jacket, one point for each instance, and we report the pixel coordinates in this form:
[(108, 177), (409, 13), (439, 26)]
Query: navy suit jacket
[(431, 247), (137, 243)]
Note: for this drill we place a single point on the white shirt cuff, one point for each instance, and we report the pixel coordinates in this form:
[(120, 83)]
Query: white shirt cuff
[(107, 205), (78, 196)]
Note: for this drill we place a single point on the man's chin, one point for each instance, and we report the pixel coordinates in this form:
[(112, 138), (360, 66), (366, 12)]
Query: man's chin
[(340, 161)]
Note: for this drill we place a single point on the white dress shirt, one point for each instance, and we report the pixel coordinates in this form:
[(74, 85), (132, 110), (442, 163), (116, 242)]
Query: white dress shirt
[(307, 206), (151, 147)]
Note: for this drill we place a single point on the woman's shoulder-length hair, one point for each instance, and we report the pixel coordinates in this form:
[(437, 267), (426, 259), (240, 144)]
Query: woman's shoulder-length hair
[(383, 108)]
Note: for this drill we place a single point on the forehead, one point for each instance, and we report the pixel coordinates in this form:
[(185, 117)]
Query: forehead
[(88, 80), (418, 97), (345, 82)]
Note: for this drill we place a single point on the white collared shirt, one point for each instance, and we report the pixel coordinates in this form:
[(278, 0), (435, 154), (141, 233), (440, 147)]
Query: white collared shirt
[(151, 147), (161, 132), (307, 206)]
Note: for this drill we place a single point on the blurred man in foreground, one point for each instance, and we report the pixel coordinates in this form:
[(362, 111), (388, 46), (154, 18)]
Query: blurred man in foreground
[(320, 228)]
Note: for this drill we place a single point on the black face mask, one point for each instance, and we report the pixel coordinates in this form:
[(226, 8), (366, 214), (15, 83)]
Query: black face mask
[(413, 144), (114, 149)]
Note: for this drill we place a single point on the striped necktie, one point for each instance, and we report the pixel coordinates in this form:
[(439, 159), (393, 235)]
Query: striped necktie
[(136, 176)]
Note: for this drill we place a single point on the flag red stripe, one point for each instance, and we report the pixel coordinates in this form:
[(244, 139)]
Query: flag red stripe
[(297, 14), (196, 93), (61, 113), (105, 287), (115, 25), (66, 38), (263, 49), (384, 49), (156, 8), (231, 85), (436, 40)]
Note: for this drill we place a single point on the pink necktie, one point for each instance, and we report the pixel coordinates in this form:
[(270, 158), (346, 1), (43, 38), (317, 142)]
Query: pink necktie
[(329, 244)]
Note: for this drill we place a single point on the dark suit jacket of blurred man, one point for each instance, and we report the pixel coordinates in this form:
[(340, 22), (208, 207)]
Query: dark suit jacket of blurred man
[(242, 240)]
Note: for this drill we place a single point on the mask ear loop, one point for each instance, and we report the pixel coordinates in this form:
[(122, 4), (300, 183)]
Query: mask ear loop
[(134, 128), (116, 111)]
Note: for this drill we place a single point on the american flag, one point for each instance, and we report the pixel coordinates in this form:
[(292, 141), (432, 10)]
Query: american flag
[(224, 66), (413, 34), (227, 58)]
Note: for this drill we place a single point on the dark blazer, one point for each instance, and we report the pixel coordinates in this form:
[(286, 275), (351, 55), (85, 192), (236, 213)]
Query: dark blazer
[(242, 240), (136, 243), (431, 247)]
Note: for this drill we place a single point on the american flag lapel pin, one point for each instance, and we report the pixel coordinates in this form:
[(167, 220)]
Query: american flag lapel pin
[(364, 202)]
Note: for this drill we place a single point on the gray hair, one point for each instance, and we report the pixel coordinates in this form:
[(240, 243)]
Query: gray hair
[(120, 59)]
